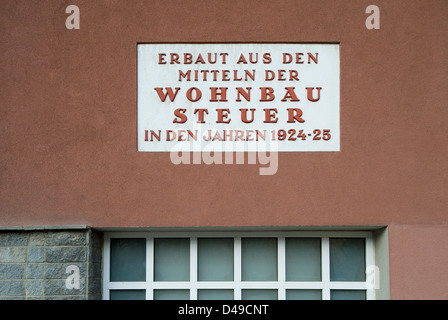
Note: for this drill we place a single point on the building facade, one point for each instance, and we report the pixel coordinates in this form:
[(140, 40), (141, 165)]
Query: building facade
[(90, 209)]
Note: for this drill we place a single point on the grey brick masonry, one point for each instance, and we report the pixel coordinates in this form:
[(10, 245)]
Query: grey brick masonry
[(33, 263)]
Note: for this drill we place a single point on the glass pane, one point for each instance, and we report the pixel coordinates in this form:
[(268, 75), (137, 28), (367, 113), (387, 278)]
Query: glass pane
[(215, 294), (302, 294), (259, 259), (259, 294), (128, 259), (348, 295), (171, 259), (127, 295), (303, 259), (215, 259), (347, 259), (175, 294)]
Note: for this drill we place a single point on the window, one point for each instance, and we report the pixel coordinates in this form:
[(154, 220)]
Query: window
[(293, 265)]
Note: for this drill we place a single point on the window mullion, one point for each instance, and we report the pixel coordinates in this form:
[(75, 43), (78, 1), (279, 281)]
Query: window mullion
[(149, 268), (371, 278), (326, 268), (193, 268), (281, 257), (106, 268), (237, 268)]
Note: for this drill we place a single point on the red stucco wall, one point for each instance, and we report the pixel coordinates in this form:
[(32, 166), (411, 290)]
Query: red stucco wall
[(418, 257), (68, 141)]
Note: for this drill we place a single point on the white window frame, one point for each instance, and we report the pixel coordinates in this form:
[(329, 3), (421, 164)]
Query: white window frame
[(237, 284)]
